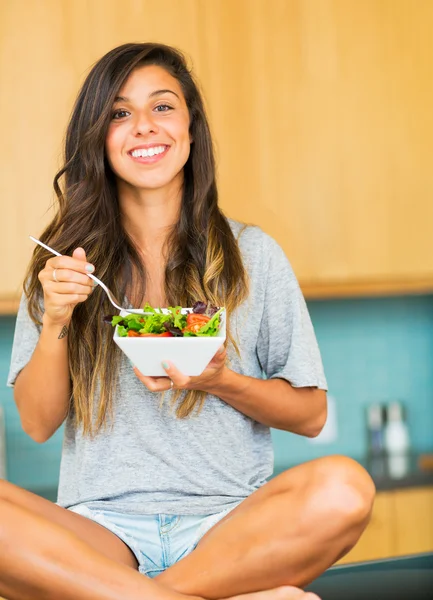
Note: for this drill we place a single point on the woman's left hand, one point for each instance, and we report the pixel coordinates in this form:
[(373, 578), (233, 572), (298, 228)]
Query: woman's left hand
[(209, 377)]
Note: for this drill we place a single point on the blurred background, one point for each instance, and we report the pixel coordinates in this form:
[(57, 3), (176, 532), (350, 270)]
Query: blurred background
[(321, 112)]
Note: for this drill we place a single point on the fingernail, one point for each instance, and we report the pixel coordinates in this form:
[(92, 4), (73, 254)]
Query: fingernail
[(165, 365), (90, 268)]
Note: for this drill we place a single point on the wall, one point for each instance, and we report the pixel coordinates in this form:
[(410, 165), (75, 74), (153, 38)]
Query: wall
[(373, 350), (31, 465)]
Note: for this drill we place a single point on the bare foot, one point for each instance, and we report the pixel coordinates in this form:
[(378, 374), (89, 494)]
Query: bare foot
[(281, 593)]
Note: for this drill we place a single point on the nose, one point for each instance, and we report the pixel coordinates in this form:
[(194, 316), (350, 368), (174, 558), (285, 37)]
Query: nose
[(145, 123)]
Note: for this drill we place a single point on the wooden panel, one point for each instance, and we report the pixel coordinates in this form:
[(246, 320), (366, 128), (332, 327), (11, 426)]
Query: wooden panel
[(327, 148), (414, 520), (321, 111), (402, 523), (377, 541), (46, 49)]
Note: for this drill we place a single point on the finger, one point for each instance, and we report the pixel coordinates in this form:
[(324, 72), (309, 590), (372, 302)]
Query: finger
[(79, 253), (69, 299), (70, 262), (219, 358), (66, 287), (67, 276), (220, 352), (52, 280), (178, 378), (154, 384)]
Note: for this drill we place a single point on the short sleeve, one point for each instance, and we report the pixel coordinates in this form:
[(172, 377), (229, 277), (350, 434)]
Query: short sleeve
[(287, 347), (25, 339)]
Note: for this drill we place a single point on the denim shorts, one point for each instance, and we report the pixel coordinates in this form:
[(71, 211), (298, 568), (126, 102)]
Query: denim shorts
[(157, 541)]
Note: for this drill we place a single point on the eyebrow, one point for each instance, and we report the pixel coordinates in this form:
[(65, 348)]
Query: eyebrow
[(152, 95)]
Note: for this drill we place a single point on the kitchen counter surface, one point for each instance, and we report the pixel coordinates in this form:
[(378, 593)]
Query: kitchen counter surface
[(392, 473), (395, 472)]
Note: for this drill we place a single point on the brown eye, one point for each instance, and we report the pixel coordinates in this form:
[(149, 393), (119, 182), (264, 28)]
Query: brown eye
[(163, 108), (119, 114)]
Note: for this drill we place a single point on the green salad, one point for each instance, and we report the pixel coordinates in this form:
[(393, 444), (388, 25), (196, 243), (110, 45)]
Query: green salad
[(203, 320)]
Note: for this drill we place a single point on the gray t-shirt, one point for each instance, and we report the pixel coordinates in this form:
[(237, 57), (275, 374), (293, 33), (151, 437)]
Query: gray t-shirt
[(151, 462)]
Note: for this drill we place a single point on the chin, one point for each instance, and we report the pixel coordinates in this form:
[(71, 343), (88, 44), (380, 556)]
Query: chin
[(152, 185), (146, 183), (151, 181)]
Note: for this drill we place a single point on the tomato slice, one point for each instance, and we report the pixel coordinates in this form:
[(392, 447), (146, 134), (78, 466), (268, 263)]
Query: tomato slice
[(193, 318), (132, 333), (193, 328)]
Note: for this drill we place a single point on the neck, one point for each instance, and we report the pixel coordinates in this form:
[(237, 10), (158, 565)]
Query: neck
[(149, 215)]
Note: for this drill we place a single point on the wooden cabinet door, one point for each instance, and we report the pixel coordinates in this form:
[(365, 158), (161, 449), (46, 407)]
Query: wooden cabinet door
[(333, 154), (321, 113), (413, 509), (65, 38), (401, 523), (377, 541)]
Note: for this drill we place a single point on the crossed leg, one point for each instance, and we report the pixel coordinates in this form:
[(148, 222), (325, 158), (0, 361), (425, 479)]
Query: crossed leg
[(284, 534), (287, 533), (49, 553)]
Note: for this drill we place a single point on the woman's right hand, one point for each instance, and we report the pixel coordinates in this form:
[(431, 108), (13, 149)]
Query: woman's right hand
[(65, 285)]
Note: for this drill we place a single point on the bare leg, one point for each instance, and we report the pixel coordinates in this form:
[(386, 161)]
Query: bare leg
[(96, 536), (286, 533), (42, 559)]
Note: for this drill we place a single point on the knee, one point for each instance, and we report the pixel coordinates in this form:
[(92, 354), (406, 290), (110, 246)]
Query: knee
[(344, 490), (7, 490), (4, 486), (5, 522)]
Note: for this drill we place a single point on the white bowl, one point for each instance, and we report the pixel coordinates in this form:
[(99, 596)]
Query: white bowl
[(190, 355)]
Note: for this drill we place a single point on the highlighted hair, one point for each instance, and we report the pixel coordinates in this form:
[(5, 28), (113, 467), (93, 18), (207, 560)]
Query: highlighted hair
[(204, 260)]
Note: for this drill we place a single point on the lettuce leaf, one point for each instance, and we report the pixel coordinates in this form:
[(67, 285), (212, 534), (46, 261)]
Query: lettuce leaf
[(212, 326)]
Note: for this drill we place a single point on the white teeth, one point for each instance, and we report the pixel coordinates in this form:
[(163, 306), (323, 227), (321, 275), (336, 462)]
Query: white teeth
[(145, 152)]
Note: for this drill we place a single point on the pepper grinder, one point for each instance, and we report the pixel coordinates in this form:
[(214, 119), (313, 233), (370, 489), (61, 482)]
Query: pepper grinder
[(375, 422), (396, 432), (397, 442)]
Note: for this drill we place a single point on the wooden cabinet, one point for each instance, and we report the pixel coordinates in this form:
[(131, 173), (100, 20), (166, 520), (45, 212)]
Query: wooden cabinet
[(401, 523), (413, 511), (321, 113)]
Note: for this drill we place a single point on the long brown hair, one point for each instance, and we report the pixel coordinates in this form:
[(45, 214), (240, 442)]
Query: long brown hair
[(204, 259)]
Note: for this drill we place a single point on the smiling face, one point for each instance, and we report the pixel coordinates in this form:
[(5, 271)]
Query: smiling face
[(148, 140)]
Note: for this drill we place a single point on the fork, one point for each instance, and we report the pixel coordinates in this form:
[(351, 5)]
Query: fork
[(134, 311)]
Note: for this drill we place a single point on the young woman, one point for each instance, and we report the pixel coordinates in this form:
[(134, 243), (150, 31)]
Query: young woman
[(176, 491)]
